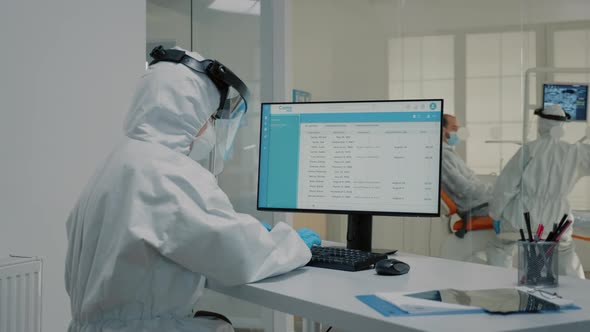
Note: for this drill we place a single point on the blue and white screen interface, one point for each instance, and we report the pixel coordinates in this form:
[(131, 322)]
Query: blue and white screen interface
[(352, 156), (573, 98)]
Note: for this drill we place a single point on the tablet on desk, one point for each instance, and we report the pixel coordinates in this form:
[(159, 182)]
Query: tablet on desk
[(500, 300)]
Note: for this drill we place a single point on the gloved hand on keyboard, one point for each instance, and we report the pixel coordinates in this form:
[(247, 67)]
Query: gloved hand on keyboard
[(266, 225), (310, 237)]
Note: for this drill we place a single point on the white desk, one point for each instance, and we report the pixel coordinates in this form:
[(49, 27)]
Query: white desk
[(328, 296)]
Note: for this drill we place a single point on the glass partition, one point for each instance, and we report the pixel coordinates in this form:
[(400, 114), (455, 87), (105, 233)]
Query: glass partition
[(228, 31), (472, 53)]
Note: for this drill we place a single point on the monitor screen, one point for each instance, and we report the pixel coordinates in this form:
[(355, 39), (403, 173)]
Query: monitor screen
[(573, 98), (377, 157)]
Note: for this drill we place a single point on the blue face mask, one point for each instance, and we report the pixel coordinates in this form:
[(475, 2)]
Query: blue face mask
[(453, 139)]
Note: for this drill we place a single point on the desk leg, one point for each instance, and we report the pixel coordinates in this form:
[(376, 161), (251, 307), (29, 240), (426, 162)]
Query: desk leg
[(310, 326), (277, 321)]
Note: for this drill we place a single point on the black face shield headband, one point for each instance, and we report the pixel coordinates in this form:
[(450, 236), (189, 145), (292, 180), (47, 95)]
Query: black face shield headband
[(234, 94), (539, 112)]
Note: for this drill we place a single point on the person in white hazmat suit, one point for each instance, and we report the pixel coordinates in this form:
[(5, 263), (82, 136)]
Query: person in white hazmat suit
[(538, 179), (153, 224)]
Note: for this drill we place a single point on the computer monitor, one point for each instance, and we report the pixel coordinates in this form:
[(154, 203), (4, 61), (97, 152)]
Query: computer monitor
[(360, 158), (573, 98)]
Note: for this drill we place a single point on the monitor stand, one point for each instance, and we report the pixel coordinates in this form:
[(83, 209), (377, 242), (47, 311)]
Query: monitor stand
[(360, 231)]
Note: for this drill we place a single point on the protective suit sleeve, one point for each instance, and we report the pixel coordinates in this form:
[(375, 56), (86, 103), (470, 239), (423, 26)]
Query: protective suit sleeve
[(192, 222), (584, 166), (507, 185)]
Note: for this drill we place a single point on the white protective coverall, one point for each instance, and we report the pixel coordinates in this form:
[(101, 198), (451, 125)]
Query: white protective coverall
[(153, 223), (468, 192), (538, 179)]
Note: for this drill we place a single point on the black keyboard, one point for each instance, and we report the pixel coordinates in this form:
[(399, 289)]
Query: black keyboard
[(343, 259)]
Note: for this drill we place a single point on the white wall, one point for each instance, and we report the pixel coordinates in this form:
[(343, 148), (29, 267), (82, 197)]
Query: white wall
[(339, 53), (67, 72), (335, 41), (169, 21)]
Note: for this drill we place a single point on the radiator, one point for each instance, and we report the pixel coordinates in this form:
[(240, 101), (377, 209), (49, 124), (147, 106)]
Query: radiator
[(20, 294)]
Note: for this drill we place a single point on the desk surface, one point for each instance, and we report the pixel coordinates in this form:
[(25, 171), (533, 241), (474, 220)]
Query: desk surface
[(328, 296)]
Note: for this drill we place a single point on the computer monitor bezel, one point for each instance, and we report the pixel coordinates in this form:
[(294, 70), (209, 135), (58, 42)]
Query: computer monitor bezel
[(353, 212), (568, 84)]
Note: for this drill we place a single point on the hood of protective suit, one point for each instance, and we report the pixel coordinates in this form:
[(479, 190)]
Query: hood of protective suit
[(545, 125), (171, 105)]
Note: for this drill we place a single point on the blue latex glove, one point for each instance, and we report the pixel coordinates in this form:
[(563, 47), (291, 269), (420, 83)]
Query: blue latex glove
[(266, 225), (310, 237), (497, 226)]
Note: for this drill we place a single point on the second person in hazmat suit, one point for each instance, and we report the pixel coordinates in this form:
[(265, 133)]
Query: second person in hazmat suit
[(152, 224), (538, 179)]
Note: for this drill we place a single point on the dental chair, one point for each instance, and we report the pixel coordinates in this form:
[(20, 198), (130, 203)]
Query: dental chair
[(581, 237), (466, 241)]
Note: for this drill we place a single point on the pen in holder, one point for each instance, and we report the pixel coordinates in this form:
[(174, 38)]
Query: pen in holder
[(537, 263)]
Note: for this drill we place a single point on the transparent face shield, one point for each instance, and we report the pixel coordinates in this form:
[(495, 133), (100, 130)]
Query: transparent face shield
[(227, 122)]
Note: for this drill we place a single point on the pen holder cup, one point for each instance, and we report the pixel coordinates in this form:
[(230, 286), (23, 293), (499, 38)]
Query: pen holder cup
[(537, 264)]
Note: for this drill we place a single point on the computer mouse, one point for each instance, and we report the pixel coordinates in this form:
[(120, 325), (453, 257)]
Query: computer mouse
[(391, 267)]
